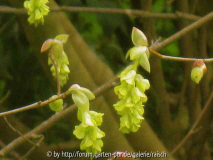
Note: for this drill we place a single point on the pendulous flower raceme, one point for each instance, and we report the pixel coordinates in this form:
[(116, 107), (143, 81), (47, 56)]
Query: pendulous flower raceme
[(88, 130), (131, 92), (37, 9), (55, 47)]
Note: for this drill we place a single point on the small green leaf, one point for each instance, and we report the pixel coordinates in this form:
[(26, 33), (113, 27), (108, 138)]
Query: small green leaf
[(100, 142), (56, 105), (137, 52), (99, 133), (97, 146), (74, 87), (46, 45), (125, 71), (62, 37), (88, 93), (65, 69), (81, 101), (79, 132), (26, 4), (87, 120), (128, 53), (121, 90), (57, 49), (82, 145), (97, 117), (197, 74), (129, 77), (144, 62), (88, 141), (79, 115), (136, 95), (138, 38), (119, 106), (141, 83), (147, 52)]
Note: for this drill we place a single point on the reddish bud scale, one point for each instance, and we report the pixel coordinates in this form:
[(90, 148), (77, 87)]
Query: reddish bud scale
[(200, 63), (46, 45)]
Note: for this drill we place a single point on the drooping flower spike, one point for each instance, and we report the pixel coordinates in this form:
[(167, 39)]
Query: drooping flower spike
[(88, 130), (37, 9), (55, 47), (131, 92)]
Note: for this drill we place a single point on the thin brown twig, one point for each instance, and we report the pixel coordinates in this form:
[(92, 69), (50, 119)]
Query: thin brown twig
[(5, 97), (183, 32), (182, 59), (13, 153), (41, 138), (193, 128), (8, 23), (34, 105), (52, 120), (130, 12), (17, 131), (56, 71)]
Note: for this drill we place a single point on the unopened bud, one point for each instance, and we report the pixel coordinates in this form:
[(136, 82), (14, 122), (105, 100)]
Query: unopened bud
[(46, 45), (138, 37), (199, 68)]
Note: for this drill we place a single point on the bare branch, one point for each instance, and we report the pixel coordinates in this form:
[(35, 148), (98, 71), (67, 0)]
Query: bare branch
[(182, 32), (182, 59), (34, 147), (8, 23), (17, 131), (13, 153), (130, 12), (5, 97), (34, 105), (193, 128)]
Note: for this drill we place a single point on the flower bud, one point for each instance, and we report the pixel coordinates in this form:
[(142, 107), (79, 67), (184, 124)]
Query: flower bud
[(138, 38), (46, 45), (62, 37), (65, 69), (56, 105), (199, 68), (136, 52), (144, 62)]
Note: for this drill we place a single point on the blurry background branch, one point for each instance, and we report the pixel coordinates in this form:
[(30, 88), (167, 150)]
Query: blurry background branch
[(194, 126), (130, 12), (5, 97)]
